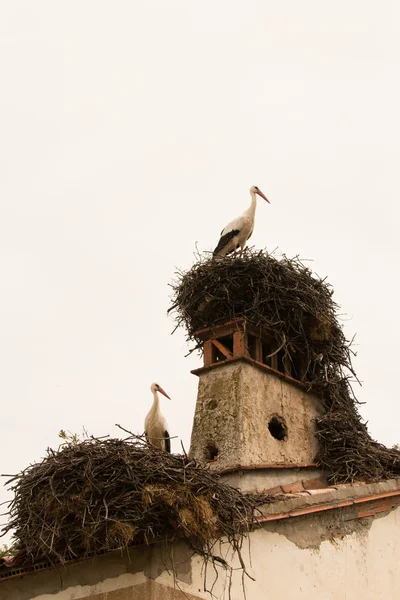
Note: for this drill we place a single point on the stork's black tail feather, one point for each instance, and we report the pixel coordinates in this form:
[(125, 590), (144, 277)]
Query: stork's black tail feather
[(167, 442)]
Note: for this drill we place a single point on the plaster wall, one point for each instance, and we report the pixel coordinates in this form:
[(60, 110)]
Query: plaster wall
[(261, 480), (235, 405), (363, 565), (331, 556)]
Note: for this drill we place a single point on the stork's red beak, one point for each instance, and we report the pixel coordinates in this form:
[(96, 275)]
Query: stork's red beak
[(259, 192), (163, 393)]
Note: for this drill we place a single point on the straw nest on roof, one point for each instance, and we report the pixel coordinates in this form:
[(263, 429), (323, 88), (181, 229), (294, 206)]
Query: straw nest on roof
[(283, 298), (105, 494)]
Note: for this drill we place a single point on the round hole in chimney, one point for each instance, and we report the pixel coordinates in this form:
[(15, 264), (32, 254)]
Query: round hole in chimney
[(211, 451), (212, 404), (277, 428)]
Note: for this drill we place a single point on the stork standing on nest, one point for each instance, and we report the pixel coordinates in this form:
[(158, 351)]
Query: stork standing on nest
[(238, 231), (155, 425)]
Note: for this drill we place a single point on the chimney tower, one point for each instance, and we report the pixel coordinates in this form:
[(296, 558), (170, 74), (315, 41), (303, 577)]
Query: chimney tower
[(254, 420)]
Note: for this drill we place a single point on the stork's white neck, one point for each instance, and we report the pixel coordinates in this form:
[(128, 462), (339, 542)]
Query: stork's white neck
[(251, 211), (156, 403)]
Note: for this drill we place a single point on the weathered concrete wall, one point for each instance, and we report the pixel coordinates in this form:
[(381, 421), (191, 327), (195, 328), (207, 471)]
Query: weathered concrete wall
[(235, 405), (260, 480), (112, 576), (148, 590), (360, 564), (329, 556)]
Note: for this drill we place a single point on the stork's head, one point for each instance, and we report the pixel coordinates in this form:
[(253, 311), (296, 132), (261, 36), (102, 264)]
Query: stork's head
[(255, 190), (157, 388)]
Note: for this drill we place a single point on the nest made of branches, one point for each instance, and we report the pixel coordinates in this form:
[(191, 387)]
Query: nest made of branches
[(100, 495), (296, 308), (280, 297)]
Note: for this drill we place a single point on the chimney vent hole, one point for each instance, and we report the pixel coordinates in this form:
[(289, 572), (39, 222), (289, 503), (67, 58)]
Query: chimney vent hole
[(277, 428), (211, 452)]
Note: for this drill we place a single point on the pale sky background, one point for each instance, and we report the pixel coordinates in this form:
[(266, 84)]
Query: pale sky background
[(132, 130)]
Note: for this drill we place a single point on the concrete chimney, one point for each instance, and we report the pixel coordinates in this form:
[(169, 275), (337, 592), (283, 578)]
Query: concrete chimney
[(254, 423)]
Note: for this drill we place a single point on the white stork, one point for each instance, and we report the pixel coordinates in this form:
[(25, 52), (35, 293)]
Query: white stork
[(238, 231), (155, 425)]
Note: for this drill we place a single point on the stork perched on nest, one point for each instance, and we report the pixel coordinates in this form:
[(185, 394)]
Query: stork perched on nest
[(155, 425), (238, 231)]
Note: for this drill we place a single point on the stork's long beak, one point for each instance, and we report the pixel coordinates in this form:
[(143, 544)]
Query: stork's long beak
[(163, 393), (262, 196)]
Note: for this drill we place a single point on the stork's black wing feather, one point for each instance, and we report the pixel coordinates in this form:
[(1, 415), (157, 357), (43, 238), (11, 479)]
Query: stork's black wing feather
[(167, 442), (225, 239)]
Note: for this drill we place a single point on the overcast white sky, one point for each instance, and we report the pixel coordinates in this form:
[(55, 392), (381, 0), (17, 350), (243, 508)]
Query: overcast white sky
[(131, 130)]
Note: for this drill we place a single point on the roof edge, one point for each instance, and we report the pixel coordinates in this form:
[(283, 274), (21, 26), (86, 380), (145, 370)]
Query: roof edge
[(366, 498)]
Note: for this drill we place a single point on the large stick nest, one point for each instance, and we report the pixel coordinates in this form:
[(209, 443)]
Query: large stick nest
[(100, 495), (297, 310)]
